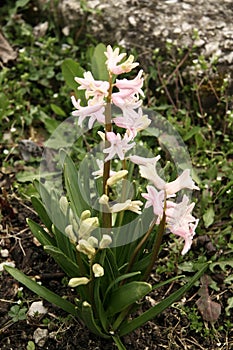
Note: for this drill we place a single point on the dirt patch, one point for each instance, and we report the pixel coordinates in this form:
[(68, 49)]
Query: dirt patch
[(171, 330)]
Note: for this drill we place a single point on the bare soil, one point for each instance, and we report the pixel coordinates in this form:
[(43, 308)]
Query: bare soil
[(171, 330)]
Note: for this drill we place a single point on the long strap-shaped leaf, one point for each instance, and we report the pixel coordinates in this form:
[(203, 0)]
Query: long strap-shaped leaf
[(67, 265), (157, 309), (88, 318), (42, 291), (41, 211), (43, 237), (127, 295), (71, 177)]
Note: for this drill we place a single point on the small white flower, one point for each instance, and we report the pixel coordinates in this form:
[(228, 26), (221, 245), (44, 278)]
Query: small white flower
[(116, 177), (86, 248), (98, 270), (78, 281), (4, 253), (63, 203), (105, 241), (70, 233), (87, 226), (86, 214)]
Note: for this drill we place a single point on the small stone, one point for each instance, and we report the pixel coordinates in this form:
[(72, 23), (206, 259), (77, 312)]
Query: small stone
[(40, 336), (7, 263), (4, 253), (37, 308), (186, 6), (211, 47), (132, 21), (177, 30), (186, 26), (199, 42), (229, 58)]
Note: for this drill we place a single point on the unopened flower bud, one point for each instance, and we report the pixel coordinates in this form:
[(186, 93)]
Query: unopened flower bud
[(116, 177), (85, 248), (98, 270), (75, 225), (104, 199), (78, 281), (102, 135), (63, 203), (105, 241), (70, 233), (93, 241), (86, 214), (71, 215), (87, 226)]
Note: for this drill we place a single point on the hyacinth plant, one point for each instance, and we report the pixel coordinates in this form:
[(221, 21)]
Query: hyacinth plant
[(108, 249)]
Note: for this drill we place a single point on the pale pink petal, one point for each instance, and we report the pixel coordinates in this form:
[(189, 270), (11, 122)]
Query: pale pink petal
[(113, 58), (183, 181)]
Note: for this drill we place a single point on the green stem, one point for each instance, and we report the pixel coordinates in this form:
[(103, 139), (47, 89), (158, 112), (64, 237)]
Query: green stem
[(107, 216), (121, 317), (139, 246), (156, 246), (118, 342)]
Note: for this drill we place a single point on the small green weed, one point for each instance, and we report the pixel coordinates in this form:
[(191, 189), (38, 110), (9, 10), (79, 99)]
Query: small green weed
[(17, 313)]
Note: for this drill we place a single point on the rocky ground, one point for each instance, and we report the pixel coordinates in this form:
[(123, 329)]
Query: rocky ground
[(147, 24)]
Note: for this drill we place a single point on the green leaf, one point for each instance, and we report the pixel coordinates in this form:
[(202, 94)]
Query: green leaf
[(43, 237), (160, 307), (58, 110), (4, 102), (21, 3), (63, 243), (191, 133), (71, 176), (27, 176), (127, 295), (41, 211), (121, 278), (161, 284), (96, 284), (222, 264), (208, 217), (70, 70), (230, 306), (31, 345), (67, 265), (88, 318), (98, 66), (42, 291), (50, 123)]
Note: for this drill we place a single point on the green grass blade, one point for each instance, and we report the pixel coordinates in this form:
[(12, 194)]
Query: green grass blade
[(42, 291)]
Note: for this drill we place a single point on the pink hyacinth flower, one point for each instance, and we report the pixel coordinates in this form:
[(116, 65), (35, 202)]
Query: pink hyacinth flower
[(144, 161), (133, 122), (96, 88), (118, 146), (130, 88), (95, 112), (154, 198), (149, 172), (114, 57), (181, 222), (99, 173)]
